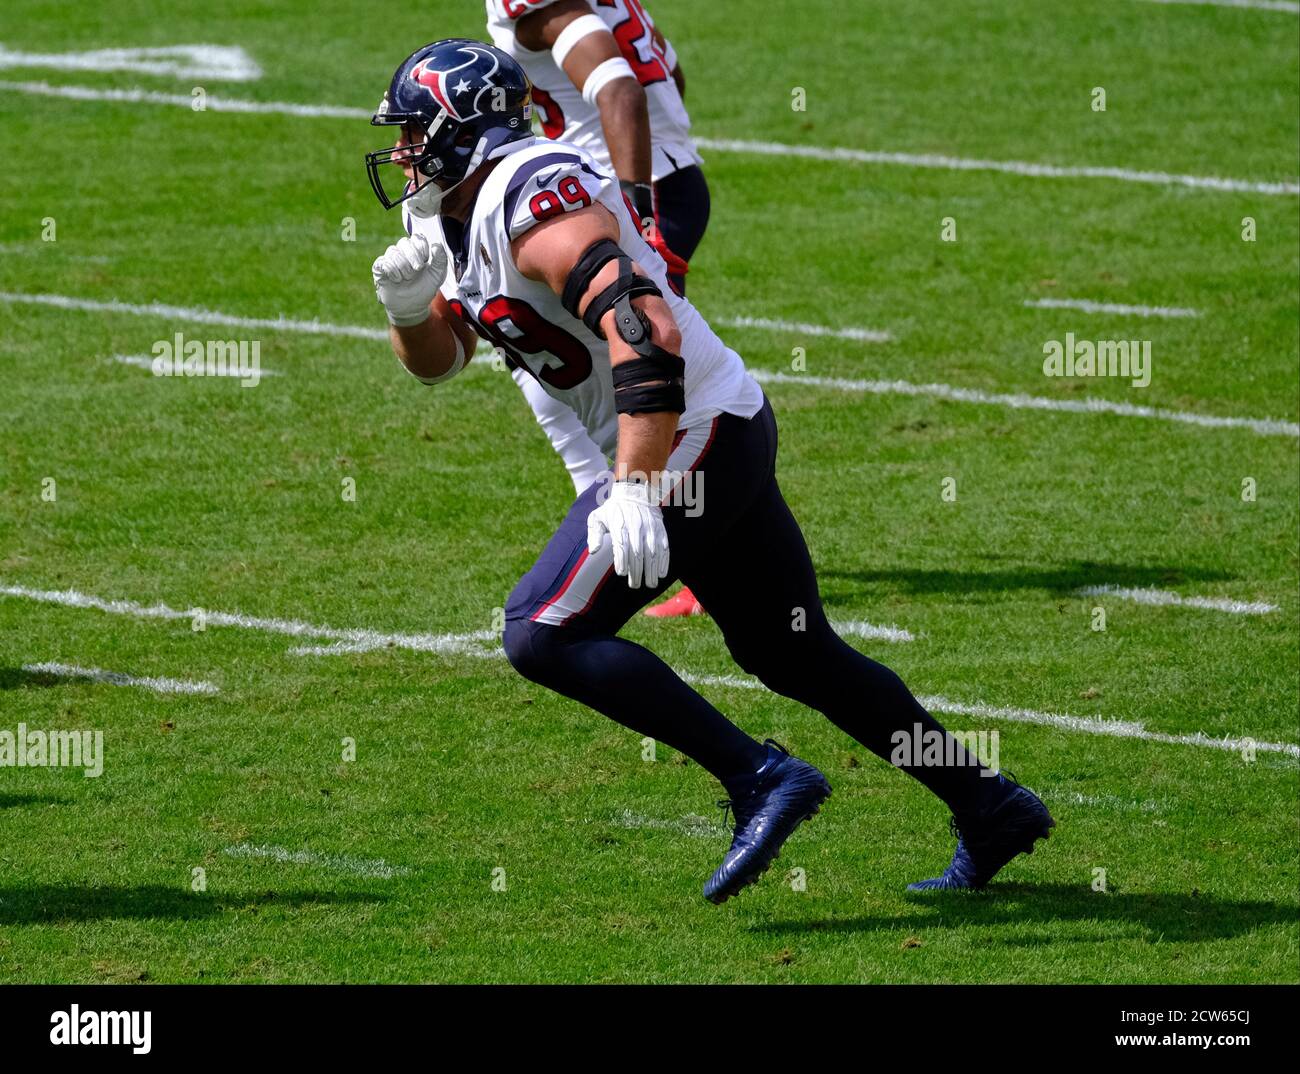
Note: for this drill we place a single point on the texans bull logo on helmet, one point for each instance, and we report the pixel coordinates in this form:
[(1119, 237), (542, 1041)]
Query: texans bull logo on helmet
[(469, 101), (455, 90)]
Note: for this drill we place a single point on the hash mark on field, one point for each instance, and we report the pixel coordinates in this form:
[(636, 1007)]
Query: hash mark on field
[(1166, 597), (1083, 724), (722, 145), (743, 682), (691, 824), (862, 335), (1104, 801), (343, 863), (1289, 6), (157, 685), (1019, 401), (143, 361), (859, 629), (1086, 306), (362, 640)]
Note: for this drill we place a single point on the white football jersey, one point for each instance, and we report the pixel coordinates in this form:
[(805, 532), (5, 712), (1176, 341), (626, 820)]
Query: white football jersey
[(527, 320), (560, 107)]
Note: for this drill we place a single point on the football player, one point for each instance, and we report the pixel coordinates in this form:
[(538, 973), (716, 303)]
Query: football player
[(531, 245), (605, 78)]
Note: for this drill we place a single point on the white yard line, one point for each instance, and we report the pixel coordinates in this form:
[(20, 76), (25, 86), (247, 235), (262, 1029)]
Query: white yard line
[(360, 640), (442, 643), (1166, 597), (1086, 306), (460, 644), (217, 63), (1263, 426), (1010, 167), (1289, 6), (1081, 724), (341, 863), (1098, 726), (158, 686), (200, 315), (722, 145), (144, 361)]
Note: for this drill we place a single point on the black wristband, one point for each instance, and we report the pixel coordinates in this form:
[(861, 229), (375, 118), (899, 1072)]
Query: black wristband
[(642, 197)]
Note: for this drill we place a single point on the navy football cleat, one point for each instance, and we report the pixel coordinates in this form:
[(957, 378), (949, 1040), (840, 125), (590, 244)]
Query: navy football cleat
[(768, 806), (987, 841)]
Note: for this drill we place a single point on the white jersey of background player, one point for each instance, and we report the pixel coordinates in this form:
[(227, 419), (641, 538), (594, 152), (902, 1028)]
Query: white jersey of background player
[(568, 113), (553, 350)]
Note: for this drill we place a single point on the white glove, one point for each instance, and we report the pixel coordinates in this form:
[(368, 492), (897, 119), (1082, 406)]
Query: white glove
[(634, 524), (407, 277)]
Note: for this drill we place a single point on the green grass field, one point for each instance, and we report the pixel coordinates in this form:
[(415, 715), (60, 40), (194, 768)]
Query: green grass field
[(199, 493)]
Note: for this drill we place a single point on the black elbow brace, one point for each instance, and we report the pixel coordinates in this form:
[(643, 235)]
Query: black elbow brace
[(628, 284), (654, 381)]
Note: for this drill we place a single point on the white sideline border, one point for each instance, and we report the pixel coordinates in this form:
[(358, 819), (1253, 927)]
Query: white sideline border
[(1283, 188), (1165, 597), (116, 678), (1262, 426)]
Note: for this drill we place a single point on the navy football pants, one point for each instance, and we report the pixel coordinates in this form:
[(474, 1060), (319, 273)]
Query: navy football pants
[(682, 214), (745, 558)]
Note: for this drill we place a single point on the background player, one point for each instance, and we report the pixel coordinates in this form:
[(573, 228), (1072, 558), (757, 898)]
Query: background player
[(547, 263), (605, 78)]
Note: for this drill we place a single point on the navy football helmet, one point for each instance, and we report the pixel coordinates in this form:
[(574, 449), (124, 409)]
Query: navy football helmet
[(462, 102)]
